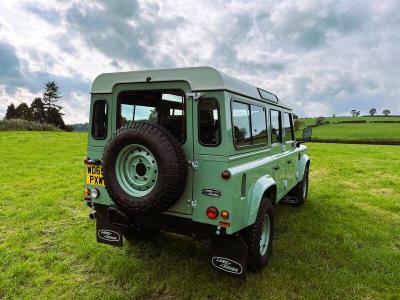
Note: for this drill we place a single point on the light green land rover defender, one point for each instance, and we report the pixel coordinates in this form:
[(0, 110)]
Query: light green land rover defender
[(196, 152)]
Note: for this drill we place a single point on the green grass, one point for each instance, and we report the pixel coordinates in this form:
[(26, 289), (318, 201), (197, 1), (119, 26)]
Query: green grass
[(344, 243), (359, 131), (312, 121)]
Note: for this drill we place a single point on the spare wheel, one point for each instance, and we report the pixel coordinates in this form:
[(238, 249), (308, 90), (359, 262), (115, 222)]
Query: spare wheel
[(144, 168)]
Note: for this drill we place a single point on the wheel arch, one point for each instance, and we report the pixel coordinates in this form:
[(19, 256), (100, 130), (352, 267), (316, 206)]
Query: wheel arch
[(264, 186), (304, 163)]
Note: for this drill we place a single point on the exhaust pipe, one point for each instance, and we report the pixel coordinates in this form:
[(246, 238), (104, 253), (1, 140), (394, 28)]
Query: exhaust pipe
[(92, 215)]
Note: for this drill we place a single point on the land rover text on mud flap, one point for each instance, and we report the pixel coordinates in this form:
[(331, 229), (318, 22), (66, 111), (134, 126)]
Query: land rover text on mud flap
[(196, 152)]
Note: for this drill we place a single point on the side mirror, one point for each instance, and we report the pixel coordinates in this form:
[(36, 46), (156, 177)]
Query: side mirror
[(307, 133)]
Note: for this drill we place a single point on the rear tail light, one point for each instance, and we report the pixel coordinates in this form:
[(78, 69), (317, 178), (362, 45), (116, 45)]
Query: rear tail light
[(212, 212), (226, 174), (225, 214), (87, 192)]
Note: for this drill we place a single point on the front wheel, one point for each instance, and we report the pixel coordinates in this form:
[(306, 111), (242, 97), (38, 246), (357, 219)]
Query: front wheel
[(259, 236)]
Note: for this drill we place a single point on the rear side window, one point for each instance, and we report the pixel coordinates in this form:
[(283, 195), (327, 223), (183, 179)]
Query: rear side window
[(249, 125), (276, 127), (99, 120), (209, 122), (288, 127), (241, 123)]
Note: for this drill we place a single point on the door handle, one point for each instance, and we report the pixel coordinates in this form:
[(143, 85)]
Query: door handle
[(277, 168)]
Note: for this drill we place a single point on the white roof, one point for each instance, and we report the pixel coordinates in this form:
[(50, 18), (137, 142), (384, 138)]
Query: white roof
[(199, 79)]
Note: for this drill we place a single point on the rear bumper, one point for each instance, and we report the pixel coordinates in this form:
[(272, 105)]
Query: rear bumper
[(168, 223)]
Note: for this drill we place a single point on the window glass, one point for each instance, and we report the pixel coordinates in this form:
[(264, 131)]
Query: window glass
[(99, 120), (164, 109), (258, 125), (241, 123), (288, 127), (209, 123), (275, 117)]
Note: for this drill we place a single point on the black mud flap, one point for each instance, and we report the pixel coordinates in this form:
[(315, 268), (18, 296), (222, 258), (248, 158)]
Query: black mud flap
[(229, 255), (107, 233)]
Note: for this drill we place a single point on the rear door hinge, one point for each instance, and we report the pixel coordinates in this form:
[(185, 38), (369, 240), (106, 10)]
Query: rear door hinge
[(193, 165), (192, 203)]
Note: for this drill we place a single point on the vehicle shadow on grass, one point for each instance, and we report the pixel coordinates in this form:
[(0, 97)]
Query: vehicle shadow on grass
[(182, 265)]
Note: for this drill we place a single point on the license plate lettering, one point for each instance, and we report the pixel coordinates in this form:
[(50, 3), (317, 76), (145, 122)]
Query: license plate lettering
[(94, 175)]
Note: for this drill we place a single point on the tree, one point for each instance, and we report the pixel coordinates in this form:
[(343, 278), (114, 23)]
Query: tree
[(372, 111), (38, 112), (11, 113), (353, 112), (358, 113), (334, 116), (320, 121), (51, 108), (55, 117), (386, 112), (23, 112)]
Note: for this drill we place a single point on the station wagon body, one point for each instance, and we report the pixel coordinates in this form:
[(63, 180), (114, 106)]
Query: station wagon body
[(238, 141)]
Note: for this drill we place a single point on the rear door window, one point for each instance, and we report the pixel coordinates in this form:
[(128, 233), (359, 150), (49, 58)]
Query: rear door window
[(258, 125), (288, 127), (276, 127), (166, 109)]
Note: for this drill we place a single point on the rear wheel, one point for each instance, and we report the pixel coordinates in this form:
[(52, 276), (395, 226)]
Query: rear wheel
[(259, 236)]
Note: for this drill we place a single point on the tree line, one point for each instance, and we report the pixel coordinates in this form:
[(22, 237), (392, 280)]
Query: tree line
[(372, 112), (42, 109)]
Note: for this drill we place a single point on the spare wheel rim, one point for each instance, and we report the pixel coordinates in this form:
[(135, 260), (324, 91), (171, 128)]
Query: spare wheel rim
[(136, 170)]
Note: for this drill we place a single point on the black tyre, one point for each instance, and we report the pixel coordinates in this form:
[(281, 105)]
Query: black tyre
[(259, 236), (300, 191), (144, 168)]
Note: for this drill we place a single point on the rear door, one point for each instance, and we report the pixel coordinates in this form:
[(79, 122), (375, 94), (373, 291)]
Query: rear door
[(279, 162), (125, 108)]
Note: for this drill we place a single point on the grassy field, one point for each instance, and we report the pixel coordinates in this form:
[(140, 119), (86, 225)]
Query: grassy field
[(361, 131), (344, 243), (312, 121), (354, 131)]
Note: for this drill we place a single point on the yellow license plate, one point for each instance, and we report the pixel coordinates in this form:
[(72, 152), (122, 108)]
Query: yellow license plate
[(94, 174)]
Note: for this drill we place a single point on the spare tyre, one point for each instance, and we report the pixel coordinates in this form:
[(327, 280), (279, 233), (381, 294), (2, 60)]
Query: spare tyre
[(144, 168)]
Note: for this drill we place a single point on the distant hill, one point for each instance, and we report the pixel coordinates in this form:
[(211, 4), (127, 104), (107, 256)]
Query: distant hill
[(81, 127)]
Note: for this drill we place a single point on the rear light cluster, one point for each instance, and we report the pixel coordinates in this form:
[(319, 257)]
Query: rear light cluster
[(212, 213)]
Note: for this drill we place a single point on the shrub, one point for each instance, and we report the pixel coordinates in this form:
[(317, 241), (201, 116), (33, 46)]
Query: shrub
[(320, 121), (354, 121), (24, 125)]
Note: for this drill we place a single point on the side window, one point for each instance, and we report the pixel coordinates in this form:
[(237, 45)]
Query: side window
[(99, 120), (276, 129), (241, 123), (209, 122), (258, 125), (288, 127)]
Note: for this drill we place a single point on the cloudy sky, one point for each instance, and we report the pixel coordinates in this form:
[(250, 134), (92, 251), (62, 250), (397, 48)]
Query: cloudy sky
[(323, 57)]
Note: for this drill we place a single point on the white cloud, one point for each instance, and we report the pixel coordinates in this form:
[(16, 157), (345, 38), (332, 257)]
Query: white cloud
[(324, 57)]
